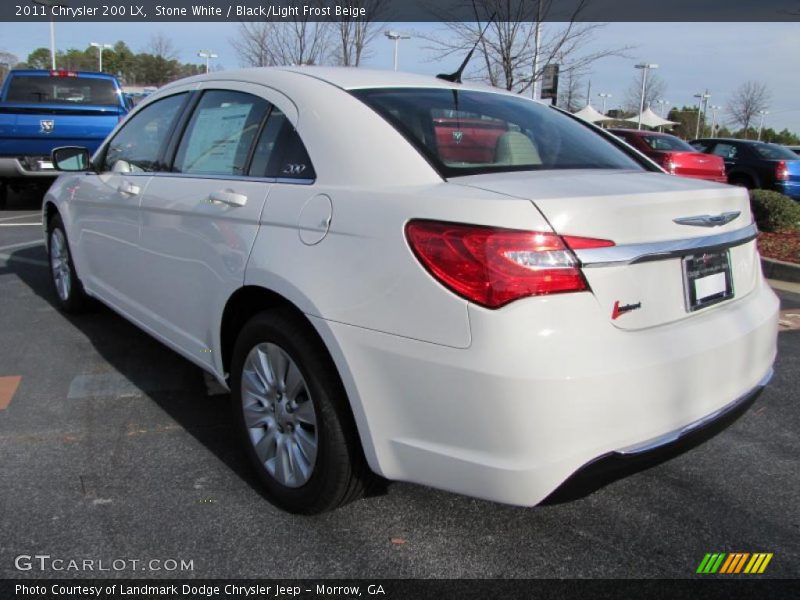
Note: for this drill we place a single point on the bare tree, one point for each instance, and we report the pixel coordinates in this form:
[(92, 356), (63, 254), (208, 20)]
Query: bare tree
[(655, 90), (264, 44), (161, 46), (353, 36), (506, 53), (571, 96), (252, 44), (747, 100)]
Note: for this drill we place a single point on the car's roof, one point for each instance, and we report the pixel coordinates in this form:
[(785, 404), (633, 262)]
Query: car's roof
[(639, 132), (733, 140), (346, 78)]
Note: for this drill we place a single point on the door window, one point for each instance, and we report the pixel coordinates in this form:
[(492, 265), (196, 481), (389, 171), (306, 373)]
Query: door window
[(220, 134), (280, 151), (137, 147), (726, 151)]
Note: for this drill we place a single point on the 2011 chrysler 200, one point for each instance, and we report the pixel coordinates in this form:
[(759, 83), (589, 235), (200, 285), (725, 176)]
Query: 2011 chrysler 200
[(481, 308)]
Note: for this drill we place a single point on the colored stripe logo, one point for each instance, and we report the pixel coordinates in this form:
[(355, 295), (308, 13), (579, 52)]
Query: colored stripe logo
[(734, 563)]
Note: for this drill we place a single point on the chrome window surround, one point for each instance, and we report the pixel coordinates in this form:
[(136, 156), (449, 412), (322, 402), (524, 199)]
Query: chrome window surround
[(631, 254), (292, 180)]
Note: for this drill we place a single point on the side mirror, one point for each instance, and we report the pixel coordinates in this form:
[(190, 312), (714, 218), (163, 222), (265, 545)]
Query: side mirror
[(71, 158)]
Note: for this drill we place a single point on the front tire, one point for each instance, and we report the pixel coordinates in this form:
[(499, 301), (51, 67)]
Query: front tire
[(68, 288), (293, 416)]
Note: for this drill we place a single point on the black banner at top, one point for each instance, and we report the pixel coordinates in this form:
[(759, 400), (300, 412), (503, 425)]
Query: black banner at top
[(402, 10)]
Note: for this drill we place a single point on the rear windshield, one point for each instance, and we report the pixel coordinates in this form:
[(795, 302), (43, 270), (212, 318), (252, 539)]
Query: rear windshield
[(774, 152), (30, 89), (667, 142), (468, 132)]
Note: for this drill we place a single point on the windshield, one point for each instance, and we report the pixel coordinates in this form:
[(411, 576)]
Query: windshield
[(667, 143), (469, 132), (774, 152), (30, 89)]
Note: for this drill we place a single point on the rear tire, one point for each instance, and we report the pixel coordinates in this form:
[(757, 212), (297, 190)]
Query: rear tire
[(68, 288), (293, 416)]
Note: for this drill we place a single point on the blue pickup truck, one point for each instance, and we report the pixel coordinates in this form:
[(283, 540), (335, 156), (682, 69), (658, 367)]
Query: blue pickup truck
[(42, 110)]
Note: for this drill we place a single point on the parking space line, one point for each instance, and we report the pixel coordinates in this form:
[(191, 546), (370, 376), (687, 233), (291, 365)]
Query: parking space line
[(30, 244), (15, 217), (8, 387), (22, 259)]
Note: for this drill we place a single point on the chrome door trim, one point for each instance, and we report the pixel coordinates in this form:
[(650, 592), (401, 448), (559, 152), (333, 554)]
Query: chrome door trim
[(630, 254)]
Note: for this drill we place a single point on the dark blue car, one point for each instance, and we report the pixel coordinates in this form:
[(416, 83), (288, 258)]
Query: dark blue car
[(42, 110), (755, 164)]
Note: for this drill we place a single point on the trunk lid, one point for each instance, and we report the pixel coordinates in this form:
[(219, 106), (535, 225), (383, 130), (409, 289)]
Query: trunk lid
[(636, 210), (696, 164)]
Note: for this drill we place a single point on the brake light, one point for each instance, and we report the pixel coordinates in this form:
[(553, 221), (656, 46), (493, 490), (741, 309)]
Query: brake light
[(61, 73), (669, 164), (781, 171), (492, 267)]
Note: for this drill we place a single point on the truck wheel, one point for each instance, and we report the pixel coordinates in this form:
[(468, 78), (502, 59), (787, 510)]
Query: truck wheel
[(293, 416), (68, 288)]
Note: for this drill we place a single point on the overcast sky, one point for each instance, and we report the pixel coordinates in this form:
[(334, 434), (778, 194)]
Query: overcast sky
[(691, 56)]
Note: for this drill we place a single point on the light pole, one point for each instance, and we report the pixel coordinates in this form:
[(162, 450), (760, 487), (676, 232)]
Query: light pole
[(645, 67), (396, 37), (763, 114), (50, 4), (603, 95), (714, 109), (208, 55), (661, 104), (702, 105), (100, 47)]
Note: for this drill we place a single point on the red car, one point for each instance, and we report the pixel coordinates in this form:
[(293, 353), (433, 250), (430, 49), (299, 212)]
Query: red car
[(675, 155)]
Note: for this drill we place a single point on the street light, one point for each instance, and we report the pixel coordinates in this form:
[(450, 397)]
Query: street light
[(714, 108), (645, 67), (51, 4), (604, 96), (702, 106), (763, 114), (396, 37), (208, 55), (661, 104), (100, 47)]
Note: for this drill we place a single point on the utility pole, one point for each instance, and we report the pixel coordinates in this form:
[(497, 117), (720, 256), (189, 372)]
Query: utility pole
[(645, 67)]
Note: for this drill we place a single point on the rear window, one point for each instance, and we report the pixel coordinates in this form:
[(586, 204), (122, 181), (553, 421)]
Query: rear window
[(464, 132), (667, 143), (30, 89), (774, 152)]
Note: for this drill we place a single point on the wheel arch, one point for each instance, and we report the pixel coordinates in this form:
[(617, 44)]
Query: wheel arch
[(249, 300)]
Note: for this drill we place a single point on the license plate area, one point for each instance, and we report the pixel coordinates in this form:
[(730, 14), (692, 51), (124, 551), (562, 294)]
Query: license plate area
[(707, 279)]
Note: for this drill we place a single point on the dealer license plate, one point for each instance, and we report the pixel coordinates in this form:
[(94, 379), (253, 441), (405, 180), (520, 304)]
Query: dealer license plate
[(707, 279)]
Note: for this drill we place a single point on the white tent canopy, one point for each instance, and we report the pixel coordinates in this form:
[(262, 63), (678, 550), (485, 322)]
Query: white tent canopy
[(588, 113), (650, 119)]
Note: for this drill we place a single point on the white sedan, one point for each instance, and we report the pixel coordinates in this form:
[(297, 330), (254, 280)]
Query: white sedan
[(436, 282)]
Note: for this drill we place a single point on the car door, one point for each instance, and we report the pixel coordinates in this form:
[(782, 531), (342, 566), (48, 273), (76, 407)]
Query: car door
[(200, 219), (104, 206)]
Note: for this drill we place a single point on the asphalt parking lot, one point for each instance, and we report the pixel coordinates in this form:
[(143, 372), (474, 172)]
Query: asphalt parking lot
[(114, 447)]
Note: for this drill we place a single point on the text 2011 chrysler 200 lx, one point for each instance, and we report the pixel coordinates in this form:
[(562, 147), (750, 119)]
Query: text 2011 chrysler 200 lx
[(485, 319)]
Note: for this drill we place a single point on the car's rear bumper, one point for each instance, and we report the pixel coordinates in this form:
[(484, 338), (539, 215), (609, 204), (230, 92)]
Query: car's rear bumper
[(28, 167), (545, 388), (789, 188)]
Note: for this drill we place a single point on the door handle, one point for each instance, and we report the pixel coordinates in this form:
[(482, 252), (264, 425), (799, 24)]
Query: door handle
[(128, 189), (228, 197)]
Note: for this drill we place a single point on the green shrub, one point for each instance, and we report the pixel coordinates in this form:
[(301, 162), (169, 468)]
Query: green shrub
[(774, 211)]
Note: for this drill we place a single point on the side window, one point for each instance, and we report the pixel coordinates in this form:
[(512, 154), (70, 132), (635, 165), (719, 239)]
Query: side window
[(700, 146), (220, 134), (280, 151), (137, 146), (725, 151)]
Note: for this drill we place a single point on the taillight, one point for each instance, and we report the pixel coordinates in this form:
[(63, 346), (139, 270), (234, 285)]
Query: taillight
[(669, 164), (492, 266), (781, 171), (62, 73)]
